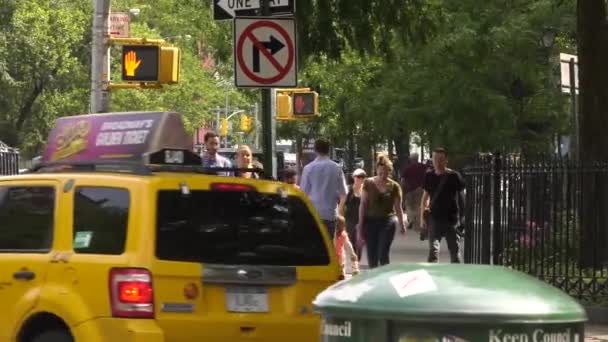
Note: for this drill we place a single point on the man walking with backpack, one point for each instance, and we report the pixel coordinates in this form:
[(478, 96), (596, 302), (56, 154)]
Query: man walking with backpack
[(442, 207)]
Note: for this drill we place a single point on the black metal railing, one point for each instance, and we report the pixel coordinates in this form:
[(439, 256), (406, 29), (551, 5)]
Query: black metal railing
[(546, 217), (9, 160)]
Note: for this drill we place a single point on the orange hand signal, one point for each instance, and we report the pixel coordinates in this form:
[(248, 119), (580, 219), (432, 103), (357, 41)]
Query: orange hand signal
[(131, 63)]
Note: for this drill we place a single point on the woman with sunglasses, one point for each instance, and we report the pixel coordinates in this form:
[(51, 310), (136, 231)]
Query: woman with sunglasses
[(380, 213), (350, 209)]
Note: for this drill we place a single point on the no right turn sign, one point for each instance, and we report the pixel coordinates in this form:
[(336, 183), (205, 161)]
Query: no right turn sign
[(265, 52)]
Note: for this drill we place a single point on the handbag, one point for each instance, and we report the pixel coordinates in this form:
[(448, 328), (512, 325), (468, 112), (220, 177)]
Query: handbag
[(427, 211)]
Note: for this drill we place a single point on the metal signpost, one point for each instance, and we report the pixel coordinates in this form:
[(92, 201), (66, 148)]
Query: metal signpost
[(100, 64), (265, 54)]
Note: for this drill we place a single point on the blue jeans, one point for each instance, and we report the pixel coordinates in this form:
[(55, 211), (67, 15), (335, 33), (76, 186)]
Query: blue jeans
[(379, 234), (331, 228)]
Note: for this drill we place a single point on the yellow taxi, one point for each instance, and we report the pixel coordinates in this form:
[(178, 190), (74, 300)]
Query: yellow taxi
[(120, 235)]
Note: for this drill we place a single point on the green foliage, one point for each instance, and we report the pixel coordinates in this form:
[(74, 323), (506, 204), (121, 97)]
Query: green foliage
[(45, 64), (40, 64), (439, 68), (452, 85)]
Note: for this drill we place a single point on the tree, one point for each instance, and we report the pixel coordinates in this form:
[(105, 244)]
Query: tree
[(593, 78), (41, 74), (593, 123)]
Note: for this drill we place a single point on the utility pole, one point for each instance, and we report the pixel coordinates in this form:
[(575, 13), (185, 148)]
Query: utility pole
[(268, 132), (100, 58)]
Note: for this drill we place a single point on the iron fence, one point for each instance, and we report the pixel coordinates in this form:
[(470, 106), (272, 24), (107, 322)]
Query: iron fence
[(548, 218), (9, 160)]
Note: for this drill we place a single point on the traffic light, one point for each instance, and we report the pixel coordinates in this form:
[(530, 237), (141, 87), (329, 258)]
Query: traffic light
[(140, 63), (170, 58), (150, 63), (305, 104), (246, 123), (224, 127), (283, 106), (297, 103)]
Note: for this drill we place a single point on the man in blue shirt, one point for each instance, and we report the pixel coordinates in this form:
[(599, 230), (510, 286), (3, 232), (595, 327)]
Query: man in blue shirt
[(323, 181), (211, 158)]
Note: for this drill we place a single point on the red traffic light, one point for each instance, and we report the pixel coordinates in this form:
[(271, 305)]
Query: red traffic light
[(305, 103)]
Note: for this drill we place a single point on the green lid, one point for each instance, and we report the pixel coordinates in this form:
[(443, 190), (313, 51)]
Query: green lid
[(450, 293)]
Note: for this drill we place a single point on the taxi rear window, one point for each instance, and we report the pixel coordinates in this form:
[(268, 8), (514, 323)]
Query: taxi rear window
[(247, 228)]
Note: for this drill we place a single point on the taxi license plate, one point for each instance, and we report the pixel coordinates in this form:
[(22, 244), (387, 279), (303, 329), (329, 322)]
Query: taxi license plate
[(246, 299)]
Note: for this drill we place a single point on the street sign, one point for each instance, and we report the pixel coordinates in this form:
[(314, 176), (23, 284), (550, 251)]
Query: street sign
[(229, 9), (119, 25), (265, 52)]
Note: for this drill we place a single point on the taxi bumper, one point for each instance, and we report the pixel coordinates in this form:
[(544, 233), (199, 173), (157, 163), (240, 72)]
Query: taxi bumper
[(224, 328), (220, 329), (118, 329)]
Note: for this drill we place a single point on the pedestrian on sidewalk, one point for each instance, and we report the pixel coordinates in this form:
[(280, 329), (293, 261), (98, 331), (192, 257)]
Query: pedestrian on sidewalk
[(442, 207), (323, 182), (343, 243), (290, 176), (244, 159), (350, 209), (380, 213), (211, 158), (412, 178)]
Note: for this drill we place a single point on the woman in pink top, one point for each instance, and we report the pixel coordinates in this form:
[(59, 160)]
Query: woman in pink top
[(343, 242)]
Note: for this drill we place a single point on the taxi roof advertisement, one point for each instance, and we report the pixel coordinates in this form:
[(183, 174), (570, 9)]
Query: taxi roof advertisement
[(115, 136)]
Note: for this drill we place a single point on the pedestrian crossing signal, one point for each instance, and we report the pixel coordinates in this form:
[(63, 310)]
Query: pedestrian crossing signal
[(140, 63), (284, 106), (150, 63), (297, 103), (305, 104)]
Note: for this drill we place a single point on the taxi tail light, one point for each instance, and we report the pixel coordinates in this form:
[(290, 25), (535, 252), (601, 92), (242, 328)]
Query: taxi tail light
[(131, 293), (228, 187)]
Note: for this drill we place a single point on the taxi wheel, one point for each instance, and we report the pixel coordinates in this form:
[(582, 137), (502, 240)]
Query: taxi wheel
[(54, 336)]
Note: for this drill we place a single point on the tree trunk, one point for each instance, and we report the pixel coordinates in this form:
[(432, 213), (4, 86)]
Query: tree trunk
[(402, 147), (28, 103), (351, 151), (593, 126)]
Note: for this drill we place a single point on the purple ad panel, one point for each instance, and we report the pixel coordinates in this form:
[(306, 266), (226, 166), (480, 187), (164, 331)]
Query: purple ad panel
[(102, 136)]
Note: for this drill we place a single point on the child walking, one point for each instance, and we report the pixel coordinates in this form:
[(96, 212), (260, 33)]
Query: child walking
[(343, 242)]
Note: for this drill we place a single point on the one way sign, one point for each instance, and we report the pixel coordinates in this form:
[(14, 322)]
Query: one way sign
[(229, 9)]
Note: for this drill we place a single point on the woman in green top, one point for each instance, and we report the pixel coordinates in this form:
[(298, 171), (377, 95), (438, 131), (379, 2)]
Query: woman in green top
[(379, 213)]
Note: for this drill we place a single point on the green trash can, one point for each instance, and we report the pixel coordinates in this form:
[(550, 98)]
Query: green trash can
[(448, 302)]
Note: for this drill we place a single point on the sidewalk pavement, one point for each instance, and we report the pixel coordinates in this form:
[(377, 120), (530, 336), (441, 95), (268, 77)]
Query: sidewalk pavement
[(596, 332)]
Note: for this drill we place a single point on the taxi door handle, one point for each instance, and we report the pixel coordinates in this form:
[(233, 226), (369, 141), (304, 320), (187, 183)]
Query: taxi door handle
[(24, 275)]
